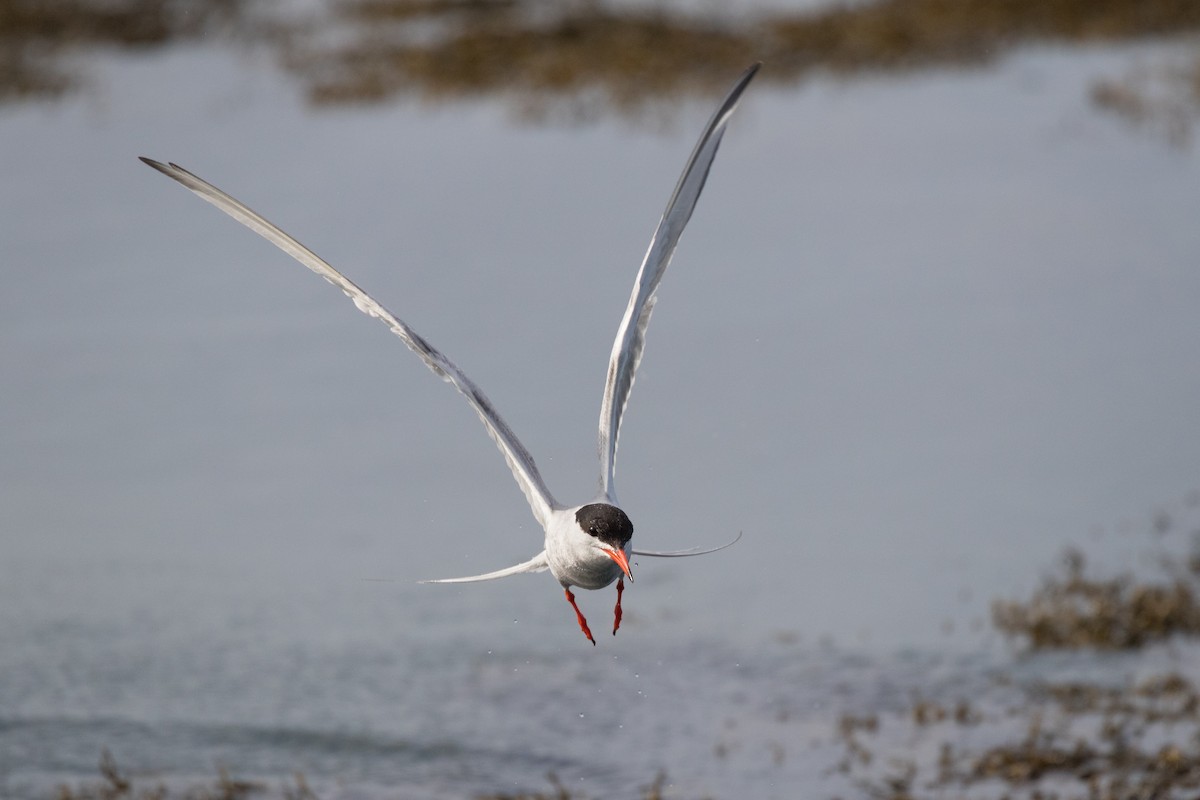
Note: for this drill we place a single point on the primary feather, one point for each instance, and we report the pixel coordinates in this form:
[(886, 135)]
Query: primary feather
[(523, 468), (631, 334)]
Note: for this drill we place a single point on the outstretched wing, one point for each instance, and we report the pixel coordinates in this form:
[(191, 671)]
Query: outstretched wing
[(536, 564), (693, 551), (518, 458), (631, 335)]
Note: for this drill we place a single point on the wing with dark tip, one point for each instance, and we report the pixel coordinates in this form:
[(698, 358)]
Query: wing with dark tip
[(515, 454), (631, 335), (694, 551)]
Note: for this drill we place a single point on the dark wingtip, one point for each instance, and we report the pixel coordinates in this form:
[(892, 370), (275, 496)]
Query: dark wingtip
[(749, 73), (150, 162)]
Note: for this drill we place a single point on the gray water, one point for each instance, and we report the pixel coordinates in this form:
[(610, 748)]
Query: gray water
[(922, 332)]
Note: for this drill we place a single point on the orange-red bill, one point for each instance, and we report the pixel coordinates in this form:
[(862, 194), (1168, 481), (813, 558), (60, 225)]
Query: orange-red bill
[(622, 562)]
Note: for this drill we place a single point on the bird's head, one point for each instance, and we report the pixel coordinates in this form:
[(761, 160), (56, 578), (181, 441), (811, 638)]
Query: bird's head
[(610, 530)]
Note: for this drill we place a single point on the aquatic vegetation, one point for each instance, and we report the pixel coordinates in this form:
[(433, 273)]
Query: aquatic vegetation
[(36, 38), (1075, 610), (116, 785), (625, 57), (560, 792), (582, 59), (654, 791), (1047, 737), (1071, 609), (1162, 97), (1059, 740)]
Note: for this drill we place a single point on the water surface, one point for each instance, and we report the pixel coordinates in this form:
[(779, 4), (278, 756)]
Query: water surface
[(924, 330)]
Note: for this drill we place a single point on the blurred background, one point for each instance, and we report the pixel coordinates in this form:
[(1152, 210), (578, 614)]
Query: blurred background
[(933, 321)]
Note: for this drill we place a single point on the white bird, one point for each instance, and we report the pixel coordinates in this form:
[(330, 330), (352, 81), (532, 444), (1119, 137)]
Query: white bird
[(586, 545)]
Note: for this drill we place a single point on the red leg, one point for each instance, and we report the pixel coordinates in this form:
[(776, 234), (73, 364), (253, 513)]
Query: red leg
[(617, 610), (579, 615)]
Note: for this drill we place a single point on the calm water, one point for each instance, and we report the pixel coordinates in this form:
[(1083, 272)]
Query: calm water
[(922, 332)]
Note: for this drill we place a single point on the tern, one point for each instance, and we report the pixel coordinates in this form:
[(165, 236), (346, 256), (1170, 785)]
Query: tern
[(586, 546)]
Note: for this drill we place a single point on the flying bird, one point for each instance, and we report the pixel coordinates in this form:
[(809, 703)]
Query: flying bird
[(586, 546)]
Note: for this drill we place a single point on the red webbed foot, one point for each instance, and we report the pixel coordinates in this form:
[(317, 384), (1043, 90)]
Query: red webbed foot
[(579, 616), (617, 610)]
